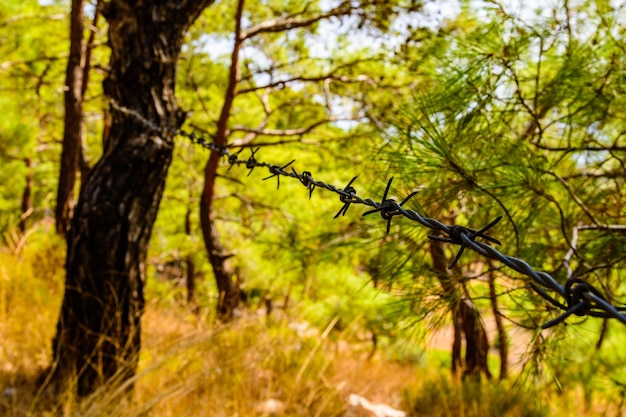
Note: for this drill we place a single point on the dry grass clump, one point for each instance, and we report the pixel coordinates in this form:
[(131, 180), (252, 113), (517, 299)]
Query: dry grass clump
[(31, 280), (246, 369)]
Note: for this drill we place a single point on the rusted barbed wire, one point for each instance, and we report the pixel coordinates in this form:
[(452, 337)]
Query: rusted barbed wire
[(580, 297)]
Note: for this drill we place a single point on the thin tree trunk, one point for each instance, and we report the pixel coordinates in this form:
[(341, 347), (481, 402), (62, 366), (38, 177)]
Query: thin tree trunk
[(89, 47), (228, 289), (72, 135), (451, 293), (190, 267), (83, 163), (27, 199), (229, 293), (457, 341), (603, 330), (98, 332), (503, 341)]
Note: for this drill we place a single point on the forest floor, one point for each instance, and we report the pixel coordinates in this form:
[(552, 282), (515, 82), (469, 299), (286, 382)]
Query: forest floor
[(256, 366), (249, 368)]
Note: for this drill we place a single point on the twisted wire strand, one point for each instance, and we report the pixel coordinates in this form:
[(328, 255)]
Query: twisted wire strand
[(581, 297)]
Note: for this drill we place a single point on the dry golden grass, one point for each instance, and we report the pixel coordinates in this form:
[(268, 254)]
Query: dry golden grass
[(30, 298), (188, 367), (254, 367)]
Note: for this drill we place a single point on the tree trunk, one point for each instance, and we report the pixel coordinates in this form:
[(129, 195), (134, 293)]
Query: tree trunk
[(457, 341), (476, 342), (98, 332), (450, 292), (27, 196), (73, 132), (190, 269), (228, 290), (503, 340), (465, 318)]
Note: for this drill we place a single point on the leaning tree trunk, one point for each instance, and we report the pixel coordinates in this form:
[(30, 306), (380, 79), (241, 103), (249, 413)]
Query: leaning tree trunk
[(98, 332)]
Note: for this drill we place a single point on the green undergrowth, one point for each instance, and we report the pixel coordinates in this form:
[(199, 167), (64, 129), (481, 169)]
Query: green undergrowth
[(442, 397)]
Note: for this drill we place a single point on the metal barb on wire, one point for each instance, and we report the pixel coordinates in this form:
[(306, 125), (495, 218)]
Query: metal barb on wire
[(251, 162), (455, 238), (346, 198), (581, 298), (388, 207), (305, 178), (277, 172), (232, 159)]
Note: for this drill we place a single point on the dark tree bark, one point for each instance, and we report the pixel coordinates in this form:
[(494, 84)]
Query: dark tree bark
[(73, 133), (466, 321), (98, 332)]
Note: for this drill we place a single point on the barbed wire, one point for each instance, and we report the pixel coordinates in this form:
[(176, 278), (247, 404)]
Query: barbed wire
[(580, 297)]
